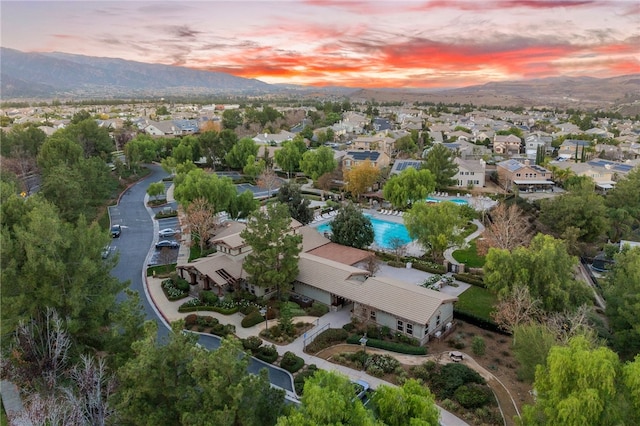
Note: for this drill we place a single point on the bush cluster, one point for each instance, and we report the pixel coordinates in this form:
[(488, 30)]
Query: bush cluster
[(298, 381), (426, 266), (173, 289), (251, 343), (476, 280), (389, 346), (252, 319), (478, 321), (473, 395), (267, 354), (385, 363), (327, 338), (317, 309), (208, 298), (291, 362)]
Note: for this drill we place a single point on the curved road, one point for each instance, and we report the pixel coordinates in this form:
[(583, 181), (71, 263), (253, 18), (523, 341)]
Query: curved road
[(134, 247)]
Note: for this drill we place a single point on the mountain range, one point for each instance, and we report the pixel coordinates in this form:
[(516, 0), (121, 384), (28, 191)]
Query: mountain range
[(68, 76)]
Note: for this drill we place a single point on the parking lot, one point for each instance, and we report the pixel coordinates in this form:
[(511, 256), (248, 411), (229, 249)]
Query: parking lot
[(166, 255)]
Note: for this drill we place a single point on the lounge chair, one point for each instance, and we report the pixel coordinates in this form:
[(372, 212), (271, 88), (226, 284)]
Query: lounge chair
[(400, 214)]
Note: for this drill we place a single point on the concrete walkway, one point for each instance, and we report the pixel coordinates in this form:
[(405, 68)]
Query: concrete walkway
[(12, 402), (448, 254)]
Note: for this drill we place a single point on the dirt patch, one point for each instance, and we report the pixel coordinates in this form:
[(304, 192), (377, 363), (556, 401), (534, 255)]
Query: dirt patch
[(498, 365)]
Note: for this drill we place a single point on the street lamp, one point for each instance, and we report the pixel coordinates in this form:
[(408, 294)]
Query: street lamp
[(263, 312)]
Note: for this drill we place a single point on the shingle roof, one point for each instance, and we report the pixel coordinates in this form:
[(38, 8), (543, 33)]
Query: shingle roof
[(218, 261), (410, 301), (364, 155)]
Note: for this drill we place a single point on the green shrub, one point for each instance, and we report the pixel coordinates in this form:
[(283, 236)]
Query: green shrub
[(373, 331), (450, 377), (478, 346), (208, 298), (181, 284), (317, 309), (386, 363), (247, 309), (349, 327), (389, 346), (424, 370), (252, 319), (395, 264), (291, 362), (375, 371), (298, 381), (251, 343), (473, 395), (327, 338), (267, 354), (470, 279), (190, 320)]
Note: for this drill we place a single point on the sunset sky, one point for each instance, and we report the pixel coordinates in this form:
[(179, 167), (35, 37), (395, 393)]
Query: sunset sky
[(420, 44)]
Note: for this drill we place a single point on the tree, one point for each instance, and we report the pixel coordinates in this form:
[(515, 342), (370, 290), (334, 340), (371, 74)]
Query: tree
[(544, 267), (52, 263), (622, 289), (531, 344), (508, 228), (201, 219), (289, 156), (156, 189), (58, 150), (435, 226), (410, 404), (269, 180), (581, 384), (579, 208), (254, 168), (237, 157), (328, 399), (440, 162), (406, 145), (273, 261), (409, 186), (478, 346), (243, 205), (155, 387), (317, 162), (218, 191), (517, 308), (623, 203), (360, 178), (231, 118), (352, 228), (291, 195)]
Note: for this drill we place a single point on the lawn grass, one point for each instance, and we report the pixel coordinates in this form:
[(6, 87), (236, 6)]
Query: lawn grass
[(477, 301), (4, 421), (469, 256)]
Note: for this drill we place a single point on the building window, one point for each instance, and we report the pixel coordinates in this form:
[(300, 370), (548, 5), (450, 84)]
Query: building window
[(372, 315), (410, 329), (400, 326), (438, 320)]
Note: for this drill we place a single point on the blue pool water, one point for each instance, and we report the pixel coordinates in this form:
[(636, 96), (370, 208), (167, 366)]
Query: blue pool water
[(383, 232), (453, 200)]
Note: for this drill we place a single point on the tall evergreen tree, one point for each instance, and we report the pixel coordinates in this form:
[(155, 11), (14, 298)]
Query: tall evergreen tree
[(440, 162)]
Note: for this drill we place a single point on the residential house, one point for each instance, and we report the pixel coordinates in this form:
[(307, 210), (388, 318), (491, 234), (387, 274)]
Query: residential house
[(471, 173), (382, 125), (436, 136), (379, 142), (602, 177), (617, 169), (506, 144), (355, 158), (573, 148), (535, 141), (459, 135), (400, 165), (273, 138), (467, 150), (524, 176)]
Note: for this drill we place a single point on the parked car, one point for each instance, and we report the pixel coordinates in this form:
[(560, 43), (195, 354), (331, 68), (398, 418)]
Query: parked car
[(361, 387), (168, 232), (106, 251), (115, 231), (167, 243)]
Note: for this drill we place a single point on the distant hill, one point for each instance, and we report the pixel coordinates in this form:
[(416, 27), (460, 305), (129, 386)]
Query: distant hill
[(617, 93), (25, 75), (62, 75)]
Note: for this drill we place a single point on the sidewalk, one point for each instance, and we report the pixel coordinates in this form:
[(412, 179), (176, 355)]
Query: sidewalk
[(448, 254)]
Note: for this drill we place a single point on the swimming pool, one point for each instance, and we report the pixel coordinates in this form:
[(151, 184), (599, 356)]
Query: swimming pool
[(384, 232), (453, 200)]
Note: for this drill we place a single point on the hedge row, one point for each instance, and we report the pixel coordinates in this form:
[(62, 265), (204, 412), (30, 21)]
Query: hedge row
[(389, 346), (429, 268), (480, 322), (252, 319), (223, 311), (395, 264), (470, 279)]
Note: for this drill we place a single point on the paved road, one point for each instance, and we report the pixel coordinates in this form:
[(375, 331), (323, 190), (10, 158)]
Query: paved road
[(135, 248)]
